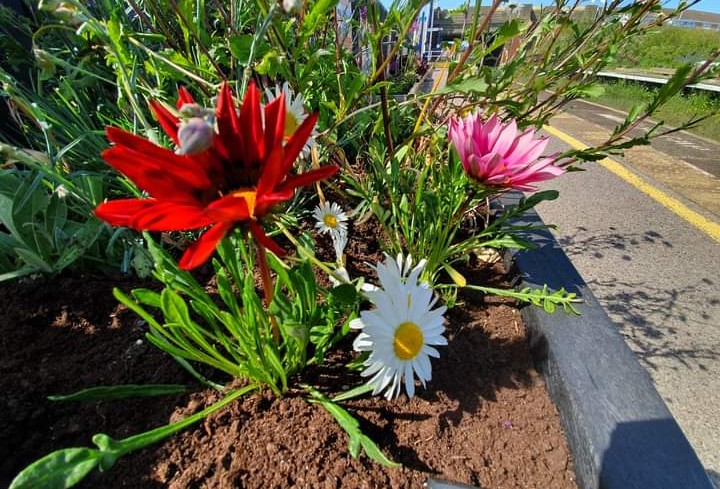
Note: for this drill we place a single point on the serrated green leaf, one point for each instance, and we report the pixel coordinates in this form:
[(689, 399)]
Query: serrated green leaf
[(470, 85), (317, 15), (506, 32), (33, 260)]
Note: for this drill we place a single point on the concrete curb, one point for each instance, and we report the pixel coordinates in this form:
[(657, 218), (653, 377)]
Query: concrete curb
[(619, 430)]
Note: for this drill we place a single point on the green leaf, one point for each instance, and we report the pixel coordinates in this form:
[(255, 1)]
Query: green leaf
[(352, 428), (147, 297), (241, 46), (455, 275), (114, 392), (538, 197), (59, 470), (674, 84), (506, 32), (353, 393), (591, 91), (20, 272), (174, 308), (33, 260), (318, 14), (344, 295), (470, 85)]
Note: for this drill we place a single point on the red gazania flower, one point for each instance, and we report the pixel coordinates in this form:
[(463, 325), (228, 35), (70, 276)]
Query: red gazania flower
[(237, 180)]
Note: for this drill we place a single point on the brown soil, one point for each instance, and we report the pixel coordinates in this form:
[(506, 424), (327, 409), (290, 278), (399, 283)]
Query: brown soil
[(485, 419)]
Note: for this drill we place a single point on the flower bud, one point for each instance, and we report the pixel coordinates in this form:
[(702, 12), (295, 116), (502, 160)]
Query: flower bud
[(44, 61), (65, 11), (188, 111), (195, 136), (61, 191), (292, 6)]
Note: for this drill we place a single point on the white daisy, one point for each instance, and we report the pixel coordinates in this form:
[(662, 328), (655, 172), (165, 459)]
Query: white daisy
[(295, 112), (402, 329), (330, 218)]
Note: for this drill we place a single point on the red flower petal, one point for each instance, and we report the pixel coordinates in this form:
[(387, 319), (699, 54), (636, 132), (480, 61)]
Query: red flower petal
[(231, 144), (297, 141), (274, 123), (273, 171), (166, 119), (265, 202), (161, 173), (308, 177), (199, 252), (121, 212), (228, 209), (193, 167), (252, 126), (264, 240), (170, 216), (184, 97)]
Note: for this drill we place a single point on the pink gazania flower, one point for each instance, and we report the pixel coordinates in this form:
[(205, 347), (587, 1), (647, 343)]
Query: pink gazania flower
[(495, 155), (220, 178)]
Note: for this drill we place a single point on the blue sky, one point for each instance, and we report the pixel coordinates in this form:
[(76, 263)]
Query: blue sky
[(705, 5)]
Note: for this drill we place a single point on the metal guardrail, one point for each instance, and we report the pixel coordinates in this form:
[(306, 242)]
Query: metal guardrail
[(658, 81)]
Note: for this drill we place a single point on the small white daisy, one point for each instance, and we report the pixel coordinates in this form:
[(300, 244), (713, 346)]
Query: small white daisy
[(330, 218), (402, 329), (295, 112)]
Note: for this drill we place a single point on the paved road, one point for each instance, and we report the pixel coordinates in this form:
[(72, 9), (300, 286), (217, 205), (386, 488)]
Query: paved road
[(657, 276)]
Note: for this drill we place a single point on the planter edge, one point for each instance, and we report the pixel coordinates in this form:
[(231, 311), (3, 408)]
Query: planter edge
[(620, 432)]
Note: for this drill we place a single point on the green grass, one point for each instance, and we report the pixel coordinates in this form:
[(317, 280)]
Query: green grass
[(667, 47), (678, 110)]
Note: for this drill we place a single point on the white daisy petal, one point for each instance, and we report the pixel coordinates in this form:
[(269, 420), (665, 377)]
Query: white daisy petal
[(295, 112), (409, 380), (400, 330)]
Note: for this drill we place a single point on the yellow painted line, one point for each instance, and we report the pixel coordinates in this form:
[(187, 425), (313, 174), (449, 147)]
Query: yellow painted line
[(704, 224)]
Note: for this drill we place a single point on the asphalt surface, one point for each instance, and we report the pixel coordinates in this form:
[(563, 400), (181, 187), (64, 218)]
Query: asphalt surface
[(657, 276), (692, 149)]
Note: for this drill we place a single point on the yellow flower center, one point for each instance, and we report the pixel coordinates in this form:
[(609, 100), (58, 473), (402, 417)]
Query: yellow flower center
[(330, 220), (291, 124), (249, 195), (408, 340)]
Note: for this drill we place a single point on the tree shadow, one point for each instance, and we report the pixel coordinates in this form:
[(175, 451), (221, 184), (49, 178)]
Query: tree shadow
[(579, 243), (651, 316)]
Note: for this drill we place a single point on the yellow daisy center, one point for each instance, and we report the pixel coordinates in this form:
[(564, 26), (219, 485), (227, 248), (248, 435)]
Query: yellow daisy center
[(249, 195), (291, 124), (330, 221), (408, 340)]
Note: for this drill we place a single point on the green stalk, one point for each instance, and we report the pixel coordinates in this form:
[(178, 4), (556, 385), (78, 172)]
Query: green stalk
[(117, 448), (258, 35), (66, 467), (267, 287)]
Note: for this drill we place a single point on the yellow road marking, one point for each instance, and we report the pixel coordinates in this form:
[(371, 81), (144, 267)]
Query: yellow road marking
[(705, 225)]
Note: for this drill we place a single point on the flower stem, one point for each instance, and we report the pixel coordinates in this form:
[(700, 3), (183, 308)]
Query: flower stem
[(267, 287)]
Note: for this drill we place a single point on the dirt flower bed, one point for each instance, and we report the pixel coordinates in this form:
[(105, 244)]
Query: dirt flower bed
[(485, 419)]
